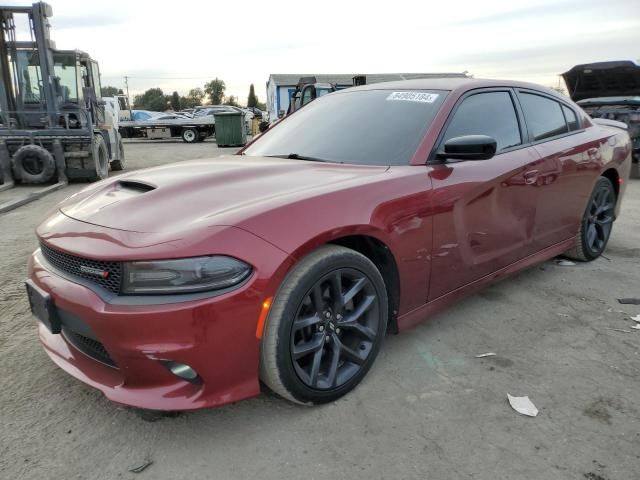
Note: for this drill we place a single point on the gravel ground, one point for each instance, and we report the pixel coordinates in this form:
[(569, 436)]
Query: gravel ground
[(427, 410)]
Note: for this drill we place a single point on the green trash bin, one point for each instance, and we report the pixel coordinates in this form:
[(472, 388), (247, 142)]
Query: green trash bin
[(230, 129)]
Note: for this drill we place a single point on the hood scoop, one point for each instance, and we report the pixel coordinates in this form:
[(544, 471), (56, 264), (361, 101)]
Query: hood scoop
[(135, 185)]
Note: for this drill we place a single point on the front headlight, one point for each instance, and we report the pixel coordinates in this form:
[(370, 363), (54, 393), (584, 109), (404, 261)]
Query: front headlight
[(186, 275)]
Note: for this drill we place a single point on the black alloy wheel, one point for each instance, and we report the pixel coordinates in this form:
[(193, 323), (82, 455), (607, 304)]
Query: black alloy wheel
[(597, 223), (325, 326), (599, 219), (334, 329)]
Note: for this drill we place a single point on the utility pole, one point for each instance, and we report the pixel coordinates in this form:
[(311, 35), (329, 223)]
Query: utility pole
[(126, 84)]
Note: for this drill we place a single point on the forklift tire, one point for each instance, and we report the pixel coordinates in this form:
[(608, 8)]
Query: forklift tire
[(100, 159), (190, 135), (119, 164), (33, 164)]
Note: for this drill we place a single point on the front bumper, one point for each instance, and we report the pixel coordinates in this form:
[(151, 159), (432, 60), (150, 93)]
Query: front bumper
[(216, 336)]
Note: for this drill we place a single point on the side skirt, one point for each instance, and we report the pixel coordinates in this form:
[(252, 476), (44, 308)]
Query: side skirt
[(420, 314)]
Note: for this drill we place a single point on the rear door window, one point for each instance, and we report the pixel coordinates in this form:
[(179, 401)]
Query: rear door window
[(488, 113), (544, 116)]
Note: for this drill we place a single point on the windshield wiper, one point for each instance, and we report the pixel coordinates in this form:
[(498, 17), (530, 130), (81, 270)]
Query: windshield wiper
[(295, 156)]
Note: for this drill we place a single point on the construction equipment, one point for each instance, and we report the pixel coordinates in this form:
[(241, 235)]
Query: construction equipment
[(53, 122)]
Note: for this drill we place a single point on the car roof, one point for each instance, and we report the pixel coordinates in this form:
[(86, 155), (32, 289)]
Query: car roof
[(453, 84)]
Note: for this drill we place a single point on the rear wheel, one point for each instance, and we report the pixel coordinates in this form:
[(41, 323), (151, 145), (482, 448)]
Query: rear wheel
[(190, 135), (597, 223), (325, 327)]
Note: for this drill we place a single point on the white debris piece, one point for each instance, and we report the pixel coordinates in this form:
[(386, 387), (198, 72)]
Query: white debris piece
[(523, 405), (636, 326), (564, 263), (563, 315), (636, 318), (489, 354)]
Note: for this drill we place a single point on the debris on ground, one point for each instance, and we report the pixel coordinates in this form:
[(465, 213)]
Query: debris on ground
[(619, 330), (563, 262), (629, 301), (636, 318), (636, 326), (142, 467), (563, 315), (523, 405), (489, 354)]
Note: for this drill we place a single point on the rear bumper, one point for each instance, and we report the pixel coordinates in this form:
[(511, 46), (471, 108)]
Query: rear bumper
[(215, 336)]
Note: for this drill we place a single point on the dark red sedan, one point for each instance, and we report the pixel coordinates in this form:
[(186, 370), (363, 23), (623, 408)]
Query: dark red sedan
[(184, 286)]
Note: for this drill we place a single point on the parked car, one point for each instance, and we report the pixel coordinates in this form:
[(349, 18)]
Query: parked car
[(181, 286), (610, 90), (142, 115)]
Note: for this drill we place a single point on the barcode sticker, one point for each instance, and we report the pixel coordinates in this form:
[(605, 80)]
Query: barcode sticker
[(413, 97)]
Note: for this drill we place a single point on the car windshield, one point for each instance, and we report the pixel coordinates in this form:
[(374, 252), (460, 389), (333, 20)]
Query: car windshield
[(367, 127)]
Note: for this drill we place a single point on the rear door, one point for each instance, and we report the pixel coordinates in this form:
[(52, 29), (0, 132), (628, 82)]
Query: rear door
[(564, 174), (485, 209)]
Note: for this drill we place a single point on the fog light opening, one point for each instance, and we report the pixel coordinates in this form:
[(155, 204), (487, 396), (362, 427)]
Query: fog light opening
[(183, 371)]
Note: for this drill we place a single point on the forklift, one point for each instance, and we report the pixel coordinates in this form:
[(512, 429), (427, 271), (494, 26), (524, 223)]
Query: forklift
[(53, 121), (307, 90)]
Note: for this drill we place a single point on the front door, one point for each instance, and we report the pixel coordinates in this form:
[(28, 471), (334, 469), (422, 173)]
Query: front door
[(486, 208)]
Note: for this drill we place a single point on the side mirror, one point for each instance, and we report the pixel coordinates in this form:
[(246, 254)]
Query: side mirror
[(469, 147)]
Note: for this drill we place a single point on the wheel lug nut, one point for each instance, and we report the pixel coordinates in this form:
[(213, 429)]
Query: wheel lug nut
[(327, 314), (321, 328), (327, 338), (339, 317), (337, 330)]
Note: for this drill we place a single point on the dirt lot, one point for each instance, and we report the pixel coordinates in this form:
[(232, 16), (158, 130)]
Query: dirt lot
[(428, 409)]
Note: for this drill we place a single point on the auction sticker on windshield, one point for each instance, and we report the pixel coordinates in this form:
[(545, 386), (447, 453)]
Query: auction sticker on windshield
[(413, 97)]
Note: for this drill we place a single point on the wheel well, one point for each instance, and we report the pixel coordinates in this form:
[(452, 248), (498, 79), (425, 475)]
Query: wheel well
[(383, 259), (612, 175)]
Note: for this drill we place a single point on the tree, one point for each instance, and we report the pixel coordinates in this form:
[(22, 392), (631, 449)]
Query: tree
[(175, 101), (215, 89), (193, 99), (153, 99), (108, 91), (231, 100), (252, 101), (261, 106)]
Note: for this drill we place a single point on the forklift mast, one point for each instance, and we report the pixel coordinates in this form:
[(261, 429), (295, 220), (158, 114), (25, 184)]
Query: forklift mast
[(15, 80)]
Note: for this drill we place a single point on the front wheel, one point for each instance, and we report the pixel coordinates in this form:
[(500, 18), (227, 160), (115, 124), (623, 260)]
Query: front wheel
[(120, 163), (597, 222), (325, 326)]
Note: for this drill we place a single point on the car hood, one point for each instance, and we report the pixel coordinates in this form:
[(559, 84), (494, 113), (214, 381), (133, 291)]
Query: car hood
[(219, 191), (603, 79)]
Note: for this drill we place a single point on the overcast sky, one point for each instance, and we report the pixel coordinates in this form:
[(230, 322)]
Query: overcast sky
[(180, 45)]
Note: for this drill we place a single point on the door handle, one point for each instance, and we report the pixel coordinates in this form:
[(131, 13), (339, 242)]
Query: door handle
[(530, 177)]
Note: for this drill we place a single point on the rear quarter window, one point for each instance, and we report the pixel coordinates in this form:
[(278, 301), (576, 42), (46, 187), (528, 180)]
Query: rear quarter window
[(571, 118)]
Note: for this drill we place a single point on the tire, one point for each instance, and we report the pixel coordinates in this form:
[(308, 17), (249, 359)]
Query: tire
[(33, 164), (190, 135), (306, 316), (596, 224), (99, 159), (119, 164)]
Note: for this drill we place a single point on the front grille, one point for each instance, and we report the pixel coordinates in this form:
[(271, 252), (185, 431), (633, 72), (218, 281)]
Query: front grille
[(72, 265), (90, 347)]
